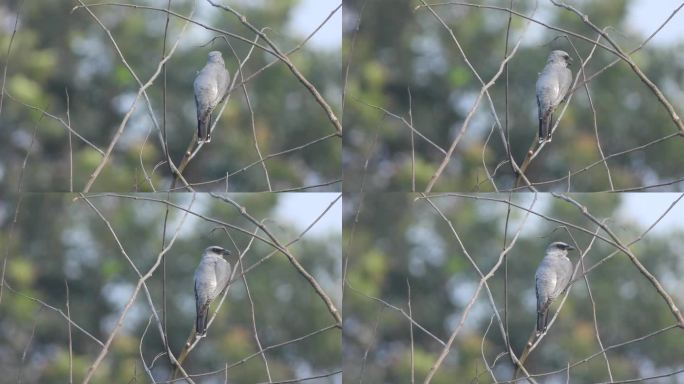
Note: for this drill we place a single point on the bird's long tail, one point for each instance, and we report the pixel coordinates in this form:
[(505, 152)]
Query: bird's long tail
[(201, 325), (545, 125), (542, 317), (542, 136), (203, 126)]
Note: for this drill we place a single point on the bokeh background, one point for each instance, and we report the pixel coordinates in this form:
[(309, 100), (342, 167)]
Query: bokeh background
[(57, 50), (392, 246), (57, 240), (398, 48)]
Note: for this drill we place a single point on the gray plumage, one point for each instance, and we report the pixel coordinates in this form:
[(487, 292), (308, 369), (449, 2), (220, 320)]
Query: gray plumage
[(211, 85), (553, 85), (551, 279), (211, 278)]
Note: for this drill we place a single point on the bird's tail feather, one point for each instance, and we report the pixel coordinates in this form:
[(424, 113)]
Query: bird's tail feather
[(207, 129), (540, 321), (201, 326), (542, 317), (545, 127), (203, 126), (200, 136), (542, 136)]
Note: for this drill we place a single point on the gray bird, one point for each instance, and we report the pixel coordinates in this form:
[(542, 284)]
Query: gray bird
[(551, 279), (211, 85), (553, 85), (211, 278)]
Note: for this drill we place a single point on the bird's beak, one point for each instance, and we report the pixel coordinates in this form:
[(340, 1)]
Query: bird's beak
[(226, 252), (570, 61), (571, 248)]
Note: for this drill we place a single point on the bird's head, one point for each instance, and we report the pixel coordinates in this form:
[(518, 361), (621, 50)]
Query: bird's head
[(559, 247), (215, 57), (560, 57), (217, 251)]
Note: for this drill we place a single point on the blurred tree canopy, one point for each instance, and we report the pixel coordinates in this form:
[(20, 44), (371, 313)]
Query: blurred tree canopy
[(61, 58), (414, 245), (58, 241), (399, 48)]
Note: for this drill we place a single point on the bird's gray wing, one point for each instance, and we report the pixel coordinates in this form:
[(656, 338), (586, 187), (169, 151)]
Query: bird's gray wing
[(222, 271), (545, 283), (203, 283), (565, 269), (565, 75), (223, 81), (548, 89), (206, 88), (201, 307), (198, 298), (545, 289)]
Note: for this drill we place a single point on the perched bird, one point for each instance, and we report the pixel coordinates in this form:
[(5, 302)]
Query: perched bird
[(553, 85), (211, 85), (551, 279), (211, 278)]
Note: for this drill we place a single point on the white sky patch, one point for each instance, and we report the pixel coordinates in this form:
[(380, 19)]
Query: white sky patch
[(309, 14), (301, 209), (306, 16), (645, 209), (644, 17)]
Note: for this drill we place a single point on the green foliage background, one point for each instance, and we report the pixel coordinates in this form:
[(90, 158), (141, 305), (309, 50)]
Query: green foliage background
[(392, 246), (398, 48), (56, 50), (57, 241)]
